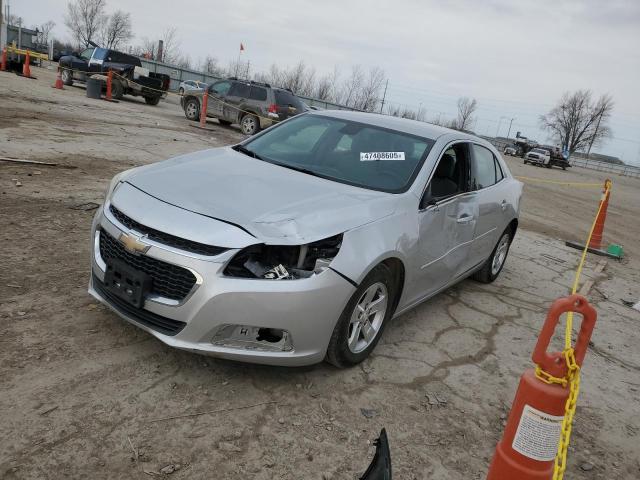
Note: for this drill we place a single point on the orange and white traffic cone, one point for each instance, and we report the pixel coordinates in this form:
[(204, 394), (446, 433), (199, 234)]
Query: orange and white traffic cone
[(3, 61), (59, 84), (26, 68), (598, 231), (530, 442)]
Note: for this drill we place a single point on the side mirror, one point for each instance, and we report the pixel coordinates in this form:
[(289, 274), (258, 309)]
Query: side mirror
[(428, 201)]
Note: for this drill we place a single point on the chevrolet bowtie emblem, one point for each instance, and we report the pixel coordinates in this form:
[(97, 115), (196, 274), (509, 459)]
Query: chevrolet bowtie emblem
[(133, 244)]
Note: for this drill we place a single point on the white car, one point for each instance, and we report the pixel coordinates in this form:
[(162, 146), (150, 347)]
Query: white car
[(537, 156), (191, 85)]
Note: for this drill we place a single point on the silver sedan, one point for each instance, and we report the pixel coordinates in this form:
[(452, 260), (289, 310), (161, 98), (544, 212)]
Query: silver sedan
[(303, 242)]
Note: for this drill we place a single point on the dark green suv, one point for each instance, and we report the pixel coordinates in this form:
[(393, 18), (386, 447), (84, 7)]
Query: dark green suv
[(252, 105)]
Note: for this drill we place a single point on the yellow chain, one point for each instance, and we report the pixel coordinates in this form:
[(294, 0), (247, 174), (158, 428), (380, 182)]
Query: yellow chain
[(573, 369)]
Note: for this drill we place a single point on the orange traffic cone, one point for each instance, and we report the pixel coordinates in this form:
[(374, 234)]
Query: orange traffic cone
[(596, 238), (3, 62), (26, 68), (59, 84), (530, 442)]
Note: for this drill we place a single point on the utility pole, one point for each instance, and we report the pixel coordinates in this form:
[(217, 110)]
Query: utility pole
[(510, 123), (594, 135), (384, 96)]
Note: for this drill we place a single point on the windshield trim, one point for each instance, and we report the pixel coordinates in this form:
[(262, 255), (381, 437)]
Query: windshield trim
[(410, 181)]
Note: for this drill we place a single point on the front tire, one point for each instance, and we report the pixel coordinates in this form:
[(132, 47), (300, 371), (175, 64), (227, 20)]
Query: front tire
[(192, 109), (249, 124), (494, 264), (67, 77), (362, 322)]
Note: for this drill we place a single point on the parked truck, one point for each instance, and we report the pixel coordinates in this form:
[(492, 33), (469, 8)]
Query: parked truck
[(544, 155), (130, 79)]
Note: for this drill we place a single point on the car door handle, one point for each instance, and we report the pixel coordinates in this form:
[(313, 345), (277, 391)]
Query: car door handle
[(464, 219)]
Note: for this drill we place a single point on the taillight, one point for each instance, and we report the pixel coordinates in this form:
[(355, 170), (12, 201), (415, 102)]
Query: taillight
[(273, 108)]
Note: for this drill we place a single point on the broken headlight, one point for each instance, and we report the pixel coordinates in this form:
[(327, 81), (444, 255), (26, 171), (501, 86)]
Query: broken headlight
[(284, 262)]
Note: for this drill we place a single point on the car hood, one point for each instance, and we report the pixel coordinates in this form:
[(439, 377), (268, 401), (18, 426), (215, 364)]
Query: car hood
[(272, 203)]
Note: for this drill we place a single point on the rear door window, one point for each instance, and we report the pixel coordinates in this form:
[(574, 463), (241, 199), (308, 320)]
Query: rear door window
[(258, 93), (239, 89), (485, 170)]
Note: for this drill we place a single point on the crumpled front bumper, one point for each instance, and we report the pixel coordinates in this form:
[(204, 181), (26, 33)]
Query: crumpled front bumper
[(307, 309)]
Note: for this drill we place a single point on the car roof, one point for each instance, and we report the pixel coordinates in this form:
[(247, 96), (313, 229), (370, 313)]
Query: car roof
[(414, 127)]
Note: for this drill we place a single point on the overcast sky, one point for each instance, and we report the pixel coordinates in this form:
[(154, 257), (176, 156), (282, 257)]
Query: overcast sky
[(516, 58)]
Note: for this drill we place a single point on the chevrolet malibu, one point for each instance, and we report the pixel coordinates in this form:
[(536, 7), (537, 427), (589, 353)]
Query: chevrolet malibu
[(303, 242)]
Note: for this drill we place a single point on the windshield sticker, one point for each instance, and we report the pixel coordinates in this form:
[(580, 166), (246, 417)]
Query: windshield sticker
[(375, 156)]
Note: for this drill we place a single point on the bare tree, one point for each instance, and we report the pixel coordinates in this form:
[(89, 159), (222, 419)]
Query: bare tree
[(577, 122), (466, 108), (351, 87), (83, 19), (116, 30), (210, 65), (44, 32), (170, 46), (14, 20), (368, 96)]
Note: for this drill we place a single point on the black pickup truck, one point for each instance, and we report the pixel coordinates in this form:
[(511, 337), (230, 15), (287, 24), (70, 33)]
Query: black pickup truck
[(131, 78)]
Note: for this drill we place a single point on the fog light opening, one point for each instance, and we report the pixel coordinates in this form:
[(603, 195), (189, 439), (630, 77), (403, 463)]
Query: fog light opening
[(271, 335)]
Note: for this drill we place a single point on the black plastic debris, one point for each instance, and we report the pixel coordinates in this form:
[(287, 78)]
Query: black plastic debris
[(380, 468)]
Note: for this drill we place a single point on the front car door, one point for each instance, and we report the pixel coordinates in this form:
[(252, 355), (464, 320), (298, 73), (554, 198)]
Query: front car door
[(487, 181), (80, 64), (447, 222), (217, 95)]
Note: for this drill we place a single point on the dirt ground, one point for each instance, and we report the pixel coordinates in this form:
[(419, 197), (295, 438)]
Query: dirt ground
[(86, 395)]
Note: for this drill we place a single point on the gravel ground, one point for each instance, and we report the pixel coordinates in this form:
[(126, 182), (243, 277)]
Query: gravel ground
[(87, 395)]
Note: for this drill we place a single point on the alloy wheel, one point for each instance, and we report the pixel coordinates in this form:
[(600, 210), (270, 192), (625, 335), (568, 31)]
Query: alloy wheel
[(500, 255), (367, 317)]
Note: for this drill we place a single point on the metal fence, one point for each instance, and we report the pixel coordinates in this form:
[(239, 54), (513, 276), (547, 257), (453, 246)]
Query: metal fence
[(177, 74), (626, 170)]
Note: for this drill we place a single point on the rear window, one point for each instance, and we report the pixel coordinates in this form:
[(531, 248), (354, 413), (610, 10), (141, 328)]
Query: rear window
[(239, 90), (344, 151), (284, 99), (258, 93)]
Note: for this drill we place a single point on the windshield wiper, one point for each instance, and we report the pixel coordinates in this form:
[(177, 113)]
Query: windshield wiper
[(246, 151), (298, 169)]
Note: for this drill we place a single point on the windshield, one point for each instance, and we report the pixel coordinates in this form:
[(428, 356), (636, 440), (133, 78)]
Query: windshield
[(348, 152)]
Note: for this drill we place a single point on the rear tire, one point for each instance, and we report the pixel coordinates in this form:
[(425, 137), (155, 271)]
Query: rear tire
[(192, 109), (249, 124), (494, 264), (152, 100), (67, 77), (117, 89), (363, 319)]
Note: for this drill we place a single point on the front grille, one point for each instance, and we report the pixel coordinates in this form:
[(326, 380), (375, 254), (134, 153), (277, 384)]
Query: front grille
[(166, 238), (154, 321), (168, 280)]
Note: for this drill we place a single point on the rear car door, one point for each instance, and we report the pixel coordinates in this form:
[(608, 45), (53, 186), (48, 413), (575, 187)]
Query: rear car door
[(487, 181), (237, 96), (217, 96), (447, 222)]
